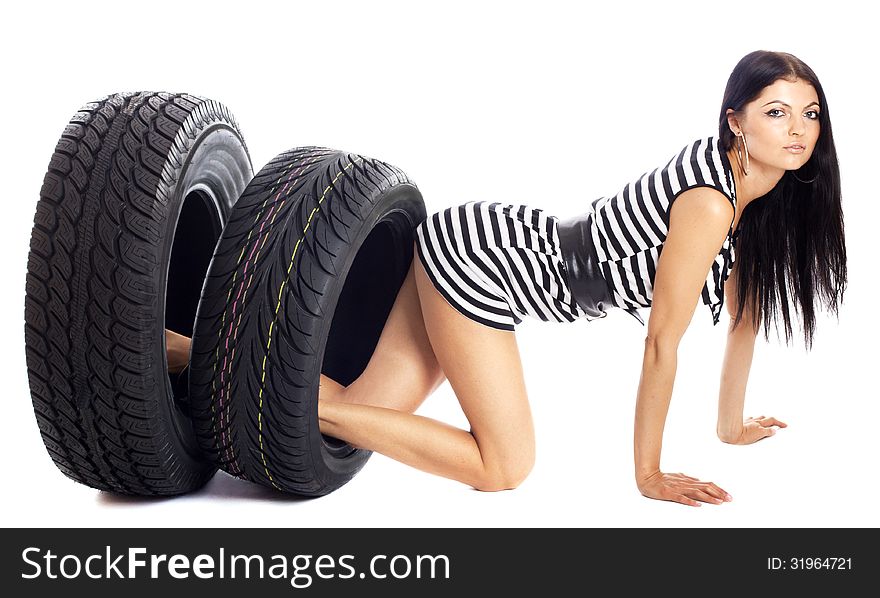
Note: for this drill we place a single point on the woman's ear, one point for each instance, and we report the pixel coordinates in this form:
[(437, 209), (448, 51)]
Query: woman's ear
[(732, 121)]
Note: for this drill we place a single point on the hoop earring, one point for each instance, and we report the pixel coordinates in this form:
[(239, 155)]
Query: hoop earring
[(794, 174), (742, 137)]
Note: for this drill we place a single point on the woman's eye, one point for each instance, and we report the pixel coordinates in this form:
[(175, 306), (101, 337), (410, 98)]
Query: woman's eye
[(814, 112)]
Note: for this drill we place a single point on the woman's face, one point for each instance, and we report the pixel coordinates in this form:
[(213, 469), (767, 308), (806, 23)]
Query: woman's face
[(784, 113)]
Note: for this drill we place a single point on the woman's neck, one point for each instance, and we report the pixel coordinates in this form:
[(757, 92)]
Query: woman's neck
[(760, 181)]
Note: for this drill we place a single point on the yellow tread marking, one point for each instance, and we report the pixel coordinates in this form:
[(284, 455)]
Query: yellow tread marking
[(275, 318), (232, 287), (244, 299), (260, 212)]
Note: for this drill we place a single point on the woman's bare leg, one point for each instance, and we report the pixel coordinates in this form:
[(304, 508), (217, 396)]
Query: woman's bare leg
[(484, 369), (403, 371)]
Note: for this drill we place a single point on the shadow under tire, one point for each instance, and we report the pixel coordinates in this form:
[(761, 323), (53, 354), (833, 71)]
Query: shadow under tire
[(302, 281), (133, 202)]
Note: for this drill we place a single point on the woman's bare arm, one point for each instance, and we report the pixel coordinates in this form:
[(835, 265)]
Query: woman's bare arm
[(736, 366), (698, 222), (732, 428), (177, 349)]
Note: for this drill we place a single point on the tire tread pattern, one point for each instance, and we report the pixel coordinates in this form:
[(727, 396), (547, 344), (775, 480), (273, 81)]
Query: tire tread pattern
[(92, 294), (256, 339)]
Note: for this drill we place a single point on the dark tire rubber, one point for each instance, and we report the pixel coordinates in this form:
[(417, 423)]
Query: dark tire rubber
[(302, 282), (134, 200)]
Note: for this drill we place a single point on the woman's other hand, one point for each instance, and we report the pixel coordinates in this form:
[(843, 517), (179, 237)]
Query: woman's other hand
[(678, 487), (755, 429), (177, 347)]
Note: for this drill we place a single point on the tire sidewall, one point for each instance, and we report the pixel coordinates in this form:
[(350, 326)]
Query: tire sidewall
[(197, 174), (404, 207)]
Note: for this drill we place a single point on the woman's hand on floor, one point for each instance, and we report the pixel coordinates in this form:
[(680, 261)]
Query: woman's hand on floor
[(681, 488), (757, 428)]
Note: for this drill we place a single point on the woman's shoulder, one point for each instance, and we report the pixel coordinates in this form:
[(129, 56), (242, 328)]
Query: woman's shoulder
[(702, 162), (703, 151), (645, 202)]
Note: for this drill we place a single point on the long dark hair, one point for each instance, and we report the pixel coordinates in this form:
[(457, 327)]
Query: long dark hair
[(791, 239)]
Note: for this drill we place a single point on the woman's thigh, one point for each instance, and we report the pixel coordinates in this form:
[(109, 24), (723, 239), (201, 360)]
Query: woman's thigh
[(403, 371), (484, 369)]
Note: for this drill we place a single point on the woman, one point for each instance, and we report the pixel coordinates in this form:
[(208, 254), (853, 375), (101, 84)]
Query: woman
[(770, 223)]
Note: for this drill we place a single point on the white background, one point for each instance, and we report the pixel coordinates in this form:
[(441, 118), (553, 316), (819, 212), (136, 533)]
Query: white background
[(549, 104)]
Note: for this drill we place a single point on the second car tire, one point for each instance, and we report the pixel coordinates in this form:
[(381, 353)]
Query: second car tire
[(301, 283)]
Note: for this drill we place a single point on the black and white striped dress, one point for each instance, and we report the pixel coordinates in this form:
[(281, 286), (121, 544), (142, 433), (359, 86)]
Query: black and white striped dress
[(497, 263), (629, 229)]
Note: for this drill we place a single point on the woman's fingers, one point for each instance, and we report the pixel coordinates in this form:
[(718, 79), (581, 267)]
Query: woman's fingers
[(705, 496), (704, 491), (695, 496), (716, 491), (685, 500), (772, 421), (684, 489), (711, 490)]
